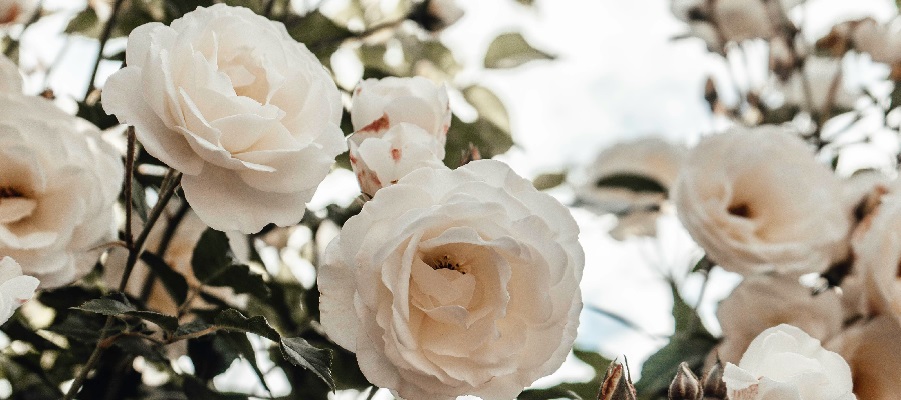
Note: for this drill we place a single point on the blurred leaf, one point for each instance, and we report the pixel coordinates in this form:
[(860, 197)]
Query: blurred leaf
[(178, 8), (174, 282), (319, 33), (487, 137), (303, 354), (233, 320), (211, 255), (488, 105), (633, 182), (511, 50), (255, 5), (895, 95), (139, 200), (242, 280), (691, 343), (526, 2), (85, 23), (94, 114), (548, 181)]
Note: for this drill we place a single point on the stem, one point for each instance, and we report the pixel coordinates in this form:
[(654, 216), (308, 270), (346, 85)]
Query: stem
[(170, 184), (129, 182), (171, 226), (104, 37)]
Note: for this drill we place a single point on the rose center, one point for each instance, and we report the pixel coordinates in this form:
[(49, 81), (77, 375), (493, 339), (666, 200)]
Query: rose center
[(445, 262), (8, 193), (741, 210)]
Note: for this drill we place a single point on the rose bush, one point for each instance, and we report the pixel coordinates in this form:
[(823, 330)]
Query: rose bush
[(756, 200), (784, 363), (455, 282), (15, 288), (247, 114), (58, 183)]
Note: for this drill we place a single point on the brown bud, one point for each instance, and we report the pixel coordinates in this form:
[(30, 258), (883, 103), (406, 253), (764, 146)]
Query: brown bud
[(685, 385), (714, 387), (617, 383)]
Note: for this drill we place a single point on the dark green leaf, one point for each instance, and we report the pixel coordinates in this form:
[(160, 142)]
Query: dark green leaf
[(85, 23), (242, 280), (167, 322), (303, 354), (511, 50), (174, 282), (106, 306), (233, 320), (634, 182), (94, 113), (139, 200), (319, 33), (211, 255), (487, 137), (192, 327)]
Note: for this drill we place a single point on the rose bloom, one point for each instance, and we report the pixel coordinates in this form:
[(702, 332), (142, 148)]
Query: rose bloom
[(764, 301), (15, 288), (455, 282), (877, 251), (229, 99), (400, 125), (784, 363), (58, 183), (756, 200), (873, 351)]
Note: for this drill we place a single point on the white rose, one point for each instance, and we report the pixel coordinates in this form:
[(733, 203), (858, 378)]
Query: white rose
[(784, 363), (58, 183), (764, 301), (382, 104), (756, 200), (226, 97), (381, 159), (10, 78), (743, 19), (455, 282), (15, 288), (877, 251), (873, 352), (400, 125)]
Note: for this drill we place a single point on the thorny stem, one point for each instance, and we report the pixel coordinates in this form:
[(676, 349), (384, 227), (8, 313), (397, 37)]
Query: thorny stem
[(104, 37), (167, 190)]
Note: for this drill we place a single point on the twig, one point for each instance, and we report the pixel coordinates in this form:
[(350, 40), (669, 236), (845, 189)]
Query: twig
[(104, 37)]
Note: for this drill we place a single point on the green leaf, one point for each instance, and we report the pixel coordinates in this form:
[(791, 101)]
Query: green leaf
[(139, 200), (511, 50), (242, 280), (487, 137), (192, 327), (303, 354), (84, 23), (174, 282), (233, 320), (106, 306), (532, 2), (634, 182), (489, 106), (549, 181), (95, 114), (211, 255), (111, 307), (319, 33)]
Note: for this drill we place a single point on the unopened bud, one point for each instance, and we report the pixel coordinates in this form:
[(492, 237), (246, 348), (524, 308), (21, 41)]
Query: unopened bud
[(617, 384), (714, 387), (685, 385)]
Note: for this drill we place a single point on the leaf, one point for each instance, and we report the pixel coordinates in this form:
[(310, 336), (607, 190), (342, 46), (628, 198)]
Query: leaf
[(303, 354), (242, 280), (174, 282), (84, 23), (549, 181), (106, 306), (487, 137), (94, 113), (511, 50), (211, 255), (239, 342), (489, 106), (633, 182), (233, 320), (319, 33), (139, 200), (111, 307)]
